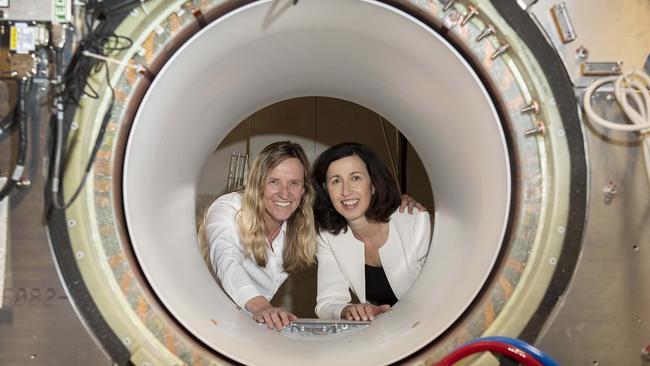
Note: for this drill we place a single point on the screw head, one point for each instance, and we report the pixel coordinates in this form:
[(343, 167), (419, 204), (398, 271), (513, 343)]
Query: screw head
[(582, 53)]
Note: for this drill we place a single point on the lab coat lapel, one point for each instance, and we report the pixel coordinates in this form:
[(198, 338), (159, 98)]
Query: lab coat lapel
[(395, 265), (350, 255)]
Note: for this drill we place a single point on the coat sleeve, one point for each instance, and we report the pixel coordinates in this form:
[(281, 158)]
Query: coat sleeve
[(422, 237), (227, 254), (333, 290)]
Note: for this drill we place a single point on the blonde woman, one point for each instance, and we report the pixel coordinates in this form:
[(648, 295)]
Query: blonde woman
[(259, 235)]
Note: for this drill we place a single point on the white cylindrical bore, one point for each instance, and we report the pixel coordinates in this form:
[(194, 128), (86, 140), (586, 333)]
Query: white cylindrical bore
[(361, 51)]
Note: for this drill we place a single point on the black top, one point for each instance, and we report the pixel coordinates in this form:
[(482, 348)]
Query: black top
[(378, 291)]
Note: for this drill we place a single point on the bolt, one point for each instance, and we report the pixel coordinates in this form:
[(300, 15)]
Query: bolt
[(448, 5), (126, 341), (72, 223), (470, 13), (79, 255), (539, 130), (488, 30), (499, 51), (532, 107)]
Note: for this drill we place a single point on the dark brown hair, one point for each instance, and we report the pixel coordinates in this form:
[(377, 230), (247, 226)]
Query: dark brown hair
[(384, 202)]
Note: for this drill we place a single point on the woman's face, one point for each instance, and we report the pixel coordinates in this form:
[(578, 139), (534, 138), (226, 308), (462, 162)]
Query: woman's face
[(349, 187), (283, 190)]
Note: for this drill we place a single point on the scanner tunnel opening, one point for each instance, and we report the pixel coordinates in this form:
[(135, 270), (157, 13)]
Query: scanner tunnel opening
[(424, 86)]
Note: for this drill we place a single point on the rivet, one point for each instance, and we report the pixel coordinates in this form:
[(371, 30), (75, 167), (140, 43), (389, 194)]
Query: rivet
[(561, 229), (72, 223), (552, 261), (126, 341), (79, 255)]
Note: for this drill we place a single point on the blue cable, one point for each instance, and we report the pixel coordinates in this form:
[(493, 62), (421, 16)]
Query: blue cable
[(540, 356)]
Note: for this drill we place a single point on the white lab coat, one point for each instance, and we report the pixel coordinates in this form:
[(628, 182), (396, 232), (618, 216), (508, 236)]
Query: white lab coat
[(341, 262), (239, 275)]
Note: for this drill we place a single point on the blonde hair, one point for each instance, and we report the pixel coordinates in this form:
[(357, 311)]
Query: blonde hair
[(300, 240)]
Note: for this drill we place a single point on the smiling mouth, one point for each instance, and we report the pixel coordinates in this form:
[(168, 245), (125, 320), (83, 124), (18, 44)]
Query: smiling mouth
[(350, 203), (282, 204)]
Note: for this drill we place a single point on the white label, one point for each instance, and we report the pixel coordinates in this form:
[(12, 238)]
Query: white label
[(25, 38)]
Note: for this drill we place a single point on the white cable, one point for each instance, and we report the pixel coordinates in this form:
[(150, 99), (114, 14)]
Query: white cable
[(135, 67), (631, 91)]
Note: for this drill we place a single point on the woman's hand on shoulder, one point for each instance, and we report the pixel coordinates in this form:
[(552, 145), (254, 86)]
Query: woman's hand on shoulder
[(363, 311), (408, 203), (264, 312)]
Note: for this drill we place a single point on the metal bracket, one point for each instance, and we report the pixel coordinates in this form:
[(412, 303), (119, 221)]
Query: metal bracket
[(563, 22), (318, 327), (600, 68)]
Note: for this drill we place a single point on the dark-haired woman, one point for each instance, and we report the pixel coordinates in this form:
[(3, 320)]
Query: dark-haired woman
[(365, 244)]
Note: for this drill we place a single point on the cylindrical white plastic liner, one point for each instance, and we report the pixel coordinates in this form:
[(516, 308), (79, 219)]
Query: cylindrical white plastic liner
[(361, 51)]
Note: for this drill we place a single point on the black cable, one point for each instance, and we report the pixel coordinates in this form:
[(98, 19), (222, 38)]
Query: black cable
[(58, 201), (21, 117), (101, 19), (8, 120)]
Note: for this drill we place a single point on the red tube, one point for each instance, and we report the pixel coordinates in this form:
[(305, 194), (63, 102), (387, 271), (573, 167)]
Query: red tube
[(482, 346)]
